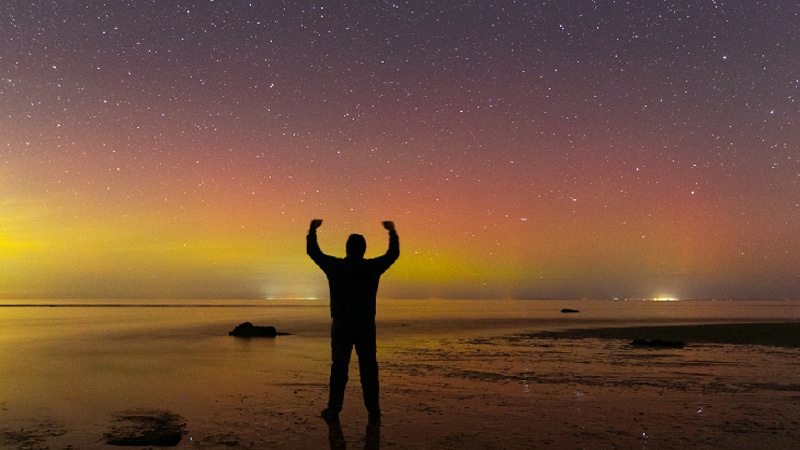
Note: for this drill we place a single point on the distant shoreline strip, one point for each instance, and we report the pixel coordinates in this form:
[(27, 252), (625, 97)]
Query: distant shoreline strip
[(145, 305)]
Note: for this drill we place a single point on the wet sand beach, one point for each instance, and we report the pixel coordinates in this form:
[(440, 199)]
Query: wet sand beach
[(733, 385), (591, 388)]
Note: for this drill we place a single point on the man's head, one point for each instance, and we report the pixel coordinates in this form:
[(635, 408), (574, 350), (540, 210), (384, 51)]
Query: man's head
[(356, 246)]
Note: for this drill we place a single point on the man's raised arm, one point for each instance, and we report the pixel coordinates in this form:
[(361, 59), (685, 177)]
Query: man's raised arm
[(312, 246), (394, 241)]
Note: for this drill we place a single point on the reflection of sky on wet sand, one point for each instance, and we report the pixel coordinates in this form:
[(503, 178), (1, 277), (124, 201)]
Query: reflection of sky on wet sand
[(78, 363), (444, 377)]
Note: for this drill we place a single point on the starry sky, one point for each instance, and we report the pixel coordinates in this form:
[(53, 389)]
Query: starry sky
[(524, 149)]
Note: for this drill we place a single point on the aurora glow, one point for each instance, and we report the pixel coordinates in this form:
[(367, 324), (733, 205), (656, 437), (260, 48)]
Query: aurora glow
[(568, 148)]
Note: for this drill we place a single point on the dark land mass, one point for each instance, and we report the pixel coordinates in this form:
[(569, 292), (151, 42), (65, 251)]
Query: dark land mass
[(780, 334)]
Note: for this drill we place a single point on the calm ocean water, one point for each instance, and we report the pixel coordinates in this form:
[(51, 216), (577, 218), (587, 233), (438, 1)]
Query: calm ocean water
[(78, 362)]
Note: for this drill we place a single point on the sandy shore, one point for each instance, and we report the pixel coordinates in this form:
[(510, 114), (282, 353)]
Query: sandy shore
[(733, 386)]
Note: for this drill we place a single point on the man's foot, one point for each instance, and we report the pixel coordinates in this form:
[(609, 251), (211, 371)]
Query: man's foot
[(330, 415)]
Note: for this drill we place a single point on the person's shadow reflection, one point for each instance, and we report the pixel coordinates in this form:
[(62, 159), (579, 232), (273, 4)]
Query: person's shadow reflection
[(372, 436)]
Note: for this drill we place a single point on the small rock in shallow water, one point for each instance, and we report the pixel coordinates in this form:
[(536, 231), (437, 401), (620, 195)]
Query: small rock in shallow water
[(247, 329)]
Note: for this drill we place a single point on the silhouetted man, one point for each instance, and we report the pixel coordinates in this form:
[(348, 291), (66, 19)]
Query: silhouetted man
[(353, 283)]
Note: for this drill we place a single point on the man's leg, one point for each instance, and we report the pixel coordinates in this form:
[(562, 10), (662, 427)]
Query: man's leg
[(341, 347), (368, 368)]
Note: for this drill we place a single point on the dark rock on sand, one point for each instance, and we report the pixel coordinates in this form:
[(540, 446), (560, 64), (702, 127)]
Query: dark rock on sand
[(657, 343), (146, 427), (247, 329), (569, 310)]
